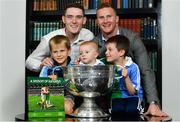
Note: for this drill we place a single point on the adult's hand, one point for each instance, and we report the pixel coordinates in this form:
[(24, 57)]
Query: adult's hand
[(154, 110), (157, 118), (68, 105), (47, 62)]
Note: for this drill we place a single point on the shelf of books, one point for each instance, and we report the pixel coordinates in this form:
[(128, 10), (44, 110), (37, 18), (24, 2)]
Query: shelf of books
[(53, 5)]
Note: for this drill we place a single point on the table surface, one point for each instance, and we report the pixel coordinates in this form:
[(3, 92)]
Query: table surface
[(21, 117)]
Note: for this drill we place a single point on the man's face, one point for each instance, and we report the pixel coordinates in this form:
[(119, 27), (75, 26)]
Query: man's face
[(88, 54), (107, 20), (112, 53), (73, 20), (60, 53)]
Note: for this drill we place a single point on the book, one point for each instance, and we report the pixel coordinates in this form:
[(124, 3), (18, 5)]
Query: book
[(150, 4), (45, 98)]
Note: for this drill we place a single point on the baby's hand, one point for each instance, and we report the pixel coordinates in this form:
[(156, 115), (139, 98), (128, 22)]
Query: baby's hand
[(77, 61), (53, 77)]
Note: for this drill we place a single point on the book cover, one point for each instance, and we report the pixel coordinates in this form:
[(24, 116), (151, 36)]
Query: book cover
[(45, 98)]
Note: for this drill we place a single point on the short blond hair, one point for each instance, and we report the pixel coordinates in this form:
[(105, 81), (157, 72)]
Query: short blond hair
[(60, 39), (92, 43)]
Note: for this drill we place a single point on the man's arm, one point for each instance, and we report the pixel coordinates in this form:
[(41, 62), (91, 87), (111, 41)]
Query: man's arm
[(147, 74), (33, 62)]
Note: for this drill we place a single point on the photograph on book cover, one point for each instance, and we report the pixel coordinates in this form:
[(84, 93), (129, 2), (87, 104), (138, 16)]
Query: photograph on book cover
[(45, 97)]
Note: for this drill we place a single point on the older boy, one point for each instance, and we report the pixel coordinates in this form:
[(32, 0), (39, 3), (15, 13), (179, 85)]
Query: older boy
[(127, 92)]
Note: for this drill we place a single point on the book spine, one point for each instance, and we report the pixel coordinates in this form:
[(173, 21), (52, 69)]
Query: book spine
[(129, 3), (136, 3), (34, 31), (155, 30), (145, 4), (133, 3), (148, 28), (150, 4), (140, 3)]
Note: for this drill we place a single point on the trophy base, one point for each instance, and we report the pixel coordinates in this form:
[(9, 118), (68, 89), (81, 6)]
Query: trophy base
[(89, 113), (89, 109)]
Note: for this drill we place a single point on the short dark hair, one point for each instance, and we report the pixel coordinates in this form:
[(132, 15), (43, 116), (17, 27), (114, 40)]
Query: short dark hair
[(106, 5), (74, 5), (122, 43)]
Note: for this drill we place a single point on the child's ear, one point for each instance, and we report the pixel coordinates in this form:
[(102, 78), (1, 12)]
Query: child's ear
[(121, 52), (97, 53)]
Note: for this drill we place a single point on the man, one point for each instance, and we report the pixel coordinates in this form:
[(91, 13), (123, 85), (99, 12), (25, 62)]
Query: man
[(107, 21), (73, 19)]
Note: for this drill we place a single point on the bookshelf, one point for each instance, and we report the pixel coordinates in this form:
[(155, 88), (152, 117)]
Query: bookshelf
[(43, 16)]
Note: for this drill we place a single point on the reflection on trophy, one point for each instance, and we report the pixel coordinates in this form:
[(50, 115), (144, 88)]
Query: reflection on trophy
[(89, 82)]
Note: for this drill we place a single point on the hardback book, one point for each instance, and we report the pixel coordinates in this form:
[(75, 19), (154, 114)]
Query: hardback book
[(45, 98)]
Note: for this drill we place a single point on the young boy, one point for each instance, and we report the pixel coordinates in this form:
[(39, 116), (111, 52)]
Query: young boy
[(60, 50), (127, 92), (89, 52)]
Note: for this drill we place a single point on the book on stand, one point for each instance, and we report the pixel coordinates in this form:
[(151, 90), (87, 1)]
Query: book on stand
[(45, 98)]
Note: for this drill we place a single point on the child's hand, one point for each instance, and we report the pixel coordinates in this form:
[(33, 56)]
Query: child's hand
[(53, 77), (124, 72), (68, 105), (77, 61)]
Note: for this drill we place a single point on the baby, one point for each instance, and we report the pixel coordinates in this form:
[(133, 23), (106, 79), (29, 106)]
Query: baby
[(89, 52)]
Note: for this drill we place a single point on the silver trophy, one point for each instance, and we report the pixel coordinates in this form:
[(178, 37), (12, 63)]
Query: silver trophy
[(89, 82)]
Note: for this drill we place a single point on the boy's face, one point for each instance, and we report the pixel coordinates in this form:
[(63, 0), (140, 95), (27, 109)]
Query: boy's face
[(112, 53), (74, 20), (88, 54), (60, 53)]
